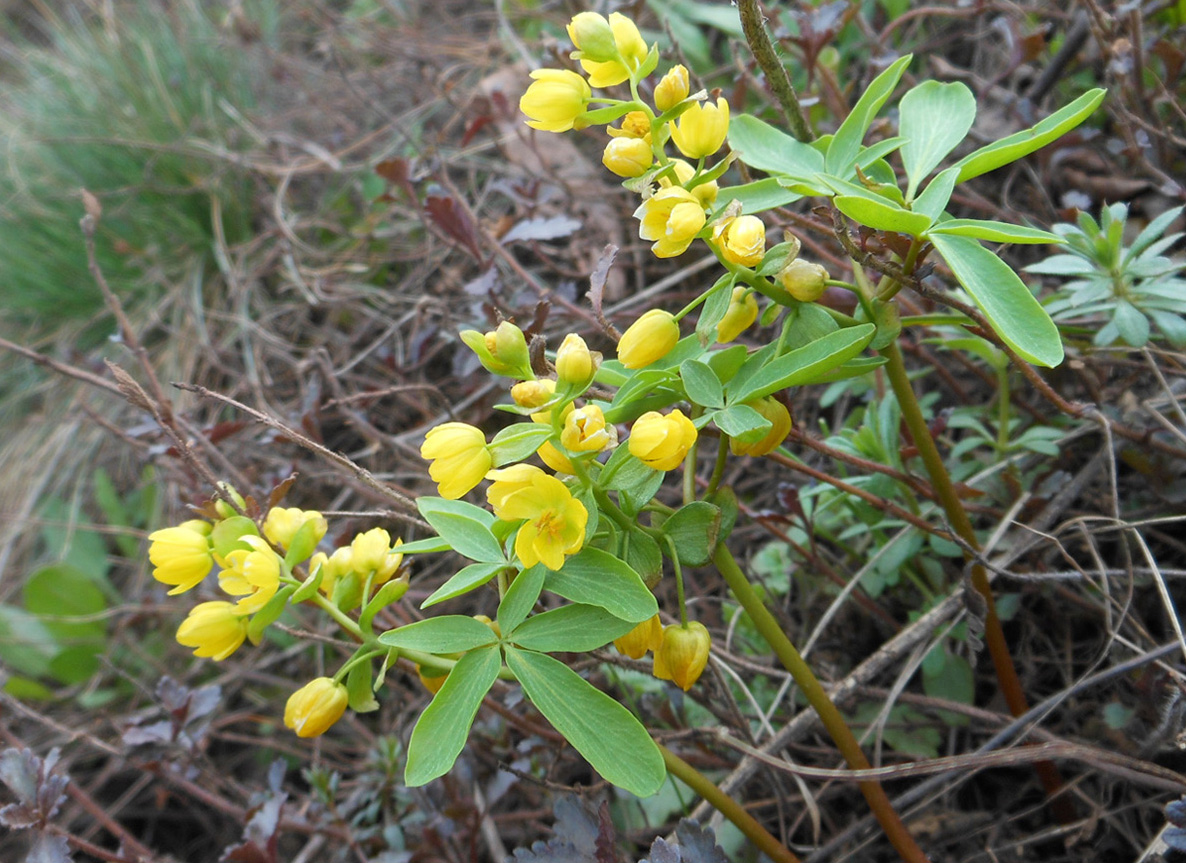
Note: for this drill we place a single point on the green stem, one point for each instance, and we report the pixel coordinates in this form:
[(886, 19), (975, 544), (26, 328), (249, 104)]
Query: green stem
[(338, 615), (362, 655), (818, 698), (679, 581), (727, 806), (776, 74), (718, 469)]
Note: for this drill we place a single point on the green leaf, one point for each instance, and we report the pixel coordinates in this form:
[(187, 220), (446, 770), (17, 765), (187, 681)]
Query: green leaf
[(764, 147), (757, 197), (1133, 326), (474, 575), (952, 680), (742, 422), (935, 196), (996, 232), (26, 645), (521, 597), (642, 554), (846, 144), (224, 538), (309, 586), (596, 577), (1014, 147), (57, 593), (443, 727), (693, 530), (517, 442), (701, 384), (623, 471), (716, 304), (425, 546), (933, 118), (390, 592), (725, 499), (358, 688), (1005, 300), (449, 633), (883, 215), (602, 730), (725, 363), (269, 614), (573, 629), (464, 526), (304, 543), (806, 364)]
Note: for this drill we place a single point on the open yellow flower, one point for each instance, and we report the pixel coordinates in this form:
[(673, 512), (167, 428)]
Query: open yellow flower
[(181, 555), (670, 218), (459, 457), (585, 430), (253, 575), (700, 131), (742, 312), (213, 629), (705, 193), (636, 124), (661, 442), (648, 339), (682, 654), (631, 51), (555, 100), (315, 707), (555, 525)]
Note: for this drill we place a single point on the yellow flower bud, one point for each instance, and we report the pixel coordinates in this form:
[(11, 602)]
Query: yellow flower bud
[(780, 426), (492, 625), (672, 88), (533, 394), (741, 240), (224, 509), (591, 35), (803, 280), (742, 312), (661, 442), (459, 458), (700, 131), (368, 551), (502, 351), (670, 218), (585, 430), (551, 456), (282, 524), (575, 363), (628, 157), (214, 629), (253, 574), (333, 568), (631, 51), (683, 654), (181, 555), (555, 100), (432, 679), (636, 124), (315, 707), (648, 339), (391, 564), (648, 635)]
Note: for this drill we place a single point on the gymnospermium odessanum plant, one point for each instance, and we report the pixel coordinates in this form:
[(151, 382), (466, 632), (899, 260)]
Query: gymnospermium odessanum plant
[(579, 532), (1129, 286)]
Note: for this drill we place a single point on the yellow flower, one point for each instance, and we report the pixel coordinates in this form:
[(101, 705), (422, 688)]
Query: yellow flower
[(556, 520), (628, 157), (648, 635), (585, 430), (333, 568), (700, 131), (706, 193), (316, 706), (282, 525), (551, 455), (780, 426), (632, 50), (368, 551), (214, 629), (683, 653), (253, 575), (182, 555), (742, 240), (459, 458), (555, 100), (742, 312), (636, 124), (390, 566), (661, 442), (672, 88), (803, 280), (432, 678), (648, 339), (593, 37), (670, 218), (575, 363), (503, 351)]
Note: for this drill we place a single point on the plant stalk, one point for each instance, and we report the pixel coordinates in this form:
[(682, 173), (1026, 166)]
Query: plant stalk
[(727, 806), (994, 635), (829, 715), (776, 74)]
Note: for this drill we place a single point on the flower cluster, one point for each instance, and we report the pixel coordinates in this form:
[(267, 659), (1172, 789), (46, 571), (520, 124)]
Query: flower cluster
[(261, 567)]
